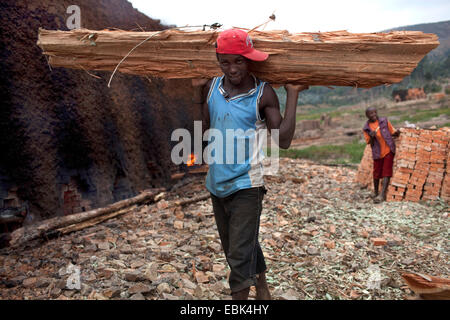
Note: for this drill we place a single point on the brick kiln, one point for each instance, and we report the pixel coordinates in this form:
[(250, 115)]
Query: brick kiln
[(68, 142), (421, 166)]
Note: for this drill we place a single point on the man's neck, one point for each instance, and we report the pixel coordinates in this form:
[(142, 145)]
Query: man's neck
[(244, 86)]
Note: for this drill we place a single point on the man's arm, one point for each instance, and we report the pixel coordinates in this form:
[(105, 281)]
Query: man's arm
[(270, 107), (394, 133), (201, 89), (367, 137)]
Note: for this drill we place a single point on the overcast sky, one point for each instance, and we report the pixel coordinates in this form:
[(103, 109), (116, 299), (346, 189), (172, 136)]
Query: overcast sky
[(298, 15)]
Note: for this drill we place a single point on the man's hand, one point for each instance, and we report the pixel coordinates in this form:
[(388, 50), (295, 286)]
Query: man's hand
[(199, 90), (295, 88), (396, 133), (372, 135), (199, 82)]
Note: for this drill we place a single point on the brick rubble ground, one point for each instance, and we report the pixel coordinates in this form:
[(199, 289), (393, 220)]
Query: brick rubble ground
[(316, 232)]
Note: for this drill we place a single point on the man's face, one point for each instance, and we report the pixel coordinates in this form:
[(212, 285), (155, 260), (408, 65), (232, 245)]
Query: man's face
[(234, 66), (372, 115)]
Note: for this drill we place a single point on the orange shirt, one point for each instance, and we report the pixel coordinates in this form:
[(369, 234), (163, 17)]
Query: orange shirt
[(384, 148)]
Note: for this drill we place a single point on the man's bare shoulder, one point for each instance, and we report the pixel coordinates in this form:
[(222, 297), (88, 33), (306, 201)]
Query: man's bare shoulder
[(207, 87), (269, 97)]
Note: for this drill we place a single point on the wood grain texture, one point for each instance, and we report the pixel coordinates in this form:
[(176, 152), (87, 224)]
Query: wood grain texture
[(327, 58)]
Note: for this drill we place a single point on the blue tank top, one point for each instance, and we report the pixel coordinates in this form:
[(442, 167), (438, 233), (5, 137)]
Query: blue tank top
[(236, 120)]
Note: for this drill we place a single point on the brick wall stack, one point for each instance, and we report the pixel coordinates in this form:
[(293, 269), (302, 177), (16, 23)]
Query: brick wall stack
[(445, 191), (73, 201), (364, 175), (437, 165), (421, 166), (404, 161)]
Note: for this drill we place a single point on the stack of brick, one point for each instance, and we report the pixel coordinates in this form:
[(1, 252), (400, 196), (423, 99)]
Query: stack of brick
[(365, 169), (445, 191), (73, 201), (437, 165), (421, 166), (403, 170)]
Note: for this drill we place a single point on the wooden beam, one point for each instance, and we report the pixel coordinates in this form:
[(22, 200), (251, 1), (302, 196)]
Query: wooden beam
[(325, 58)]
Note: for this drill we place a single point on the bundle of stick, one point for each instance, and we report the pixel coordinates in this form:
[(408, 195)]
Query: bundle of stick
[(62, 225), (325, 58)]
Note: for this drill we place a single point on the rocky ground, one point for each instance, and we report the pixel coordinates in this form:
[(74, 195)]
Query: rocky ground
[(321, 235)]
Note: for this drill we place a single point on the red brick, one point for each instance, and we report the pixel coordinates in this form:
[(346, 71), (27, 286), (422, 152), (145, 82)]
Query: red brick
[(378, 241), (422, 166), (440, 142), (398, 184), (414, 187), (429, 197), (418, 179), (412, 199), (413, 194), (330, 244), (435, 181), (406, 170), (396, 193)]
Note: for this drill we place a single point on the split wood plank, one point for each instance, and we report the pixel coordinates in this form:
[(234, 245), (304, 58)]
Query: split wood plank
[(324, 58)]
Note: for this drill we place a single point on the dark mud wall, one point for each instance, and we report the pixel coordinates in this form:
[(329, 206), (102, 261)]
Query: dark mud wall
[(69, 143)]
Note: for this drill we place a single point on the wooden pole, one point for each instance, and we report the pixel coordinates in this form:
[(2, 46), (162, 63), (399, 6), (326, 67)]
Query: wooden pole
[(25, 234)]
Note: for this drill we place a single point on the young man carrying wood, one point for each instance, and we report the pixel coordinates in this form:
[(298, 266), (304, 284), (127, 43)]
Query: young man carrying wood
[(379, 133), (239, 101)]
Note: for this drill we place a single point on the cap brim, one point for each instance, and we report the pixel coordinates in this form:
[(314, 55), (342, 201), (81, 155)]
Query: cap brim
[(256, 55)]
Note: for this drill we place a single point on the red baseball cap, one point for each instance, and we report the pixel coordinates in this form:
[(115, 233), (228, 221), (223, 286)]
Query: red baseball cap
[(236, 41)]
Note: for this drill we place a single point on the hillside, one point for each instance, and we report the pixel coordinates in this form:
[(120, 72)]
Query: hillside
[(441, 29)]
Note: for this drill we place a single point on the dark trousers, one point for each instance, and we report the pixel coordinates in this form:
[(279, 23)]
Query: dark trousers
[(237, 218)]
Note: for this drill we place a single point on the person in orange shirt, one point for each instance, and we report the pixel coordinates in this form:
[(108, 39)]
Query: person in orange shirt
[(379, 133)]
